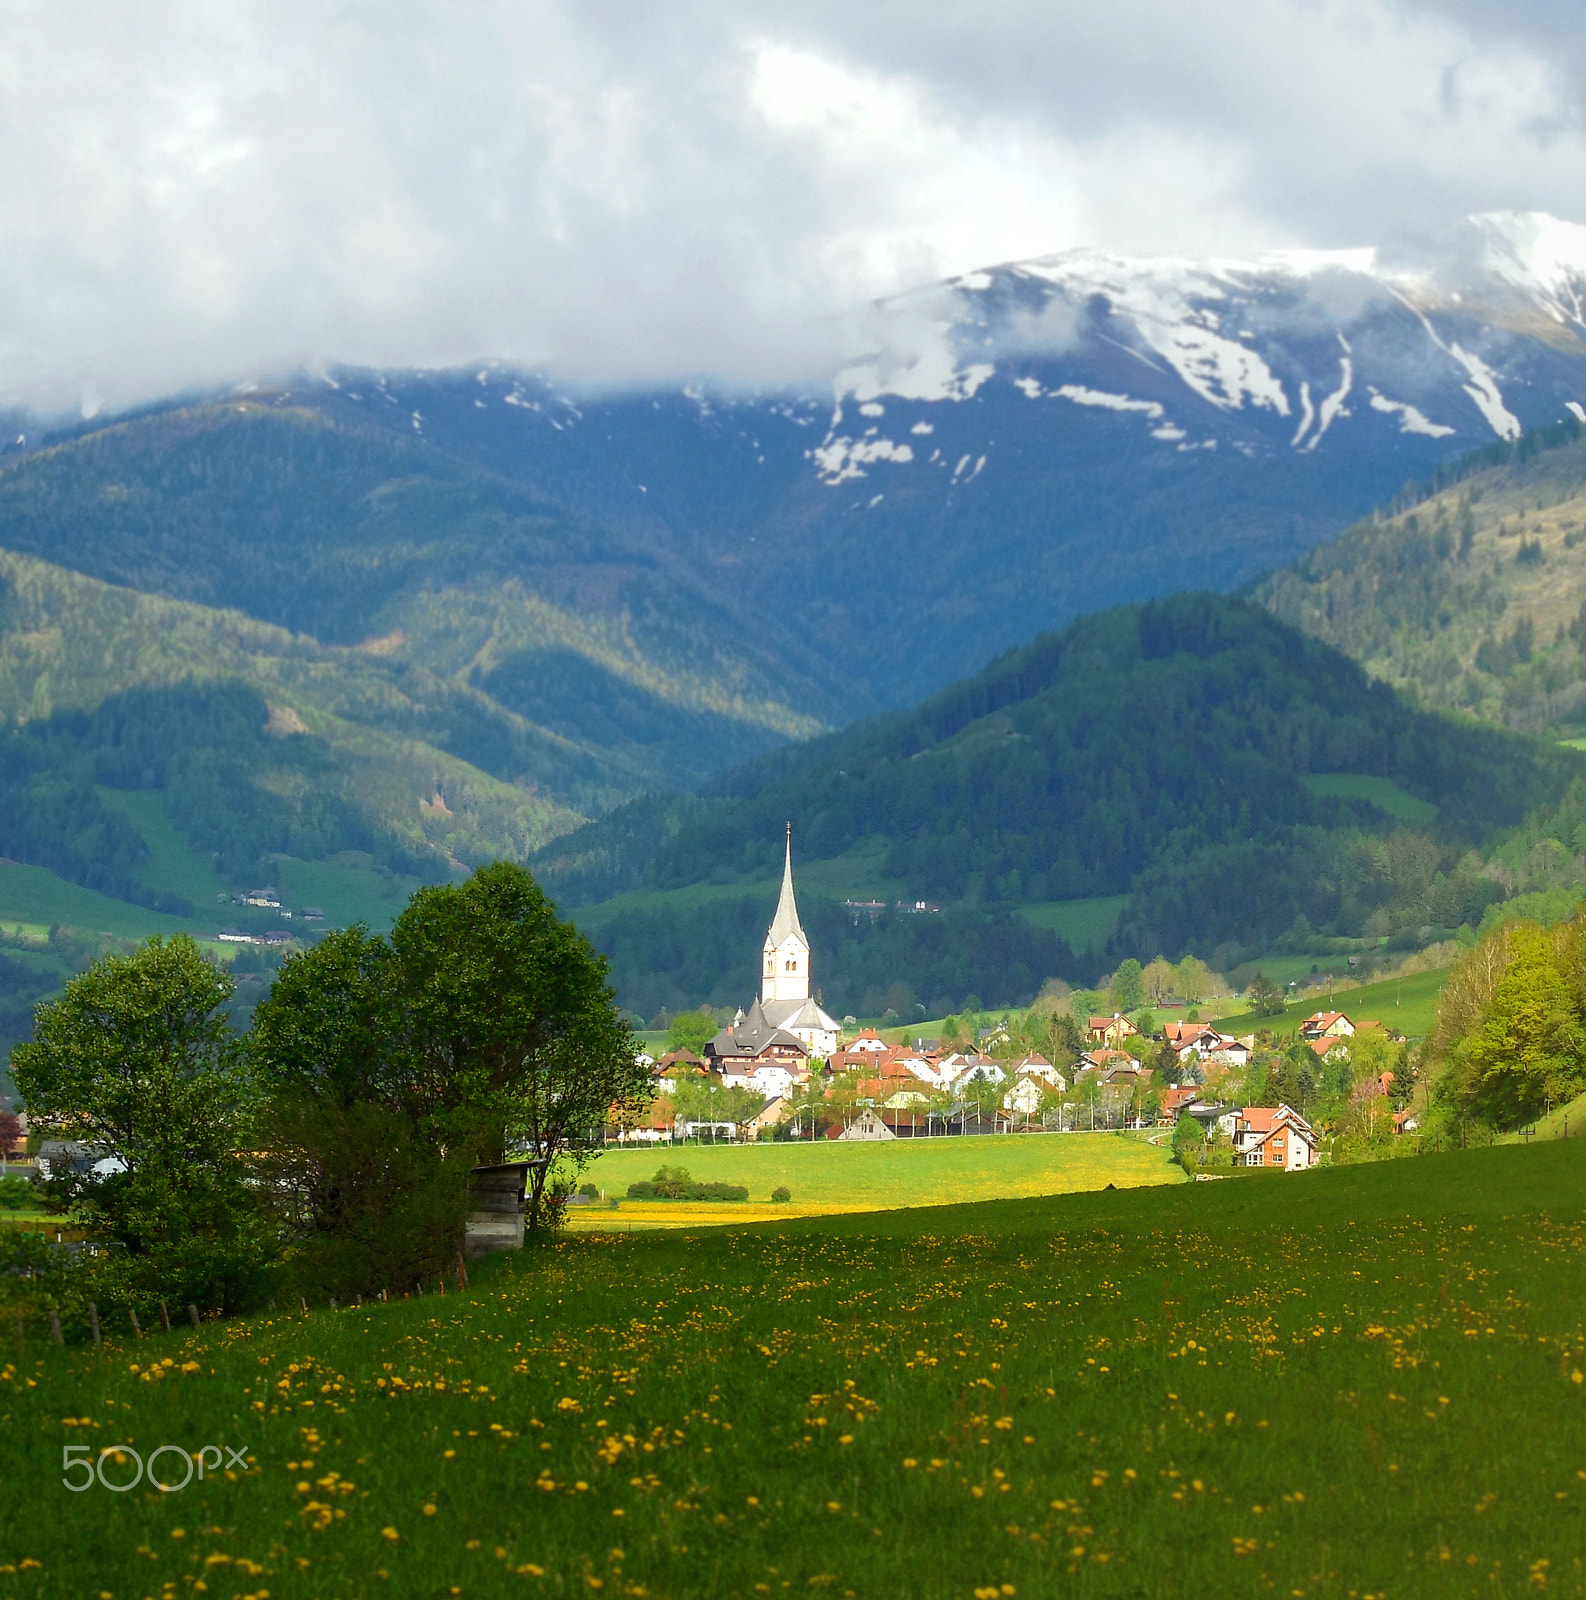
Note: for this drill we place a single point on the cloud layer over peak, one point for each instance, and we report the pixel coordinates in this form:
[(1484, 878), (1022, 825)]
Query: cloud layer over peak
[(626, 191)]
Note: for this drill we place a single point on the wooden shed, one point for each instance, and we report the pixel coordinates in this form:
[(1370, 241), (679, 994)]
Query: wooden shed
[(496, 1221)]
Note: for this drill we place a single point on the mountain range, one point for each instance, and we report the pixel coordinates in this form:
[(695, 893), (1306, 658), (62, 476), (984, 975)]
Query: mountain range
[(444, 615)]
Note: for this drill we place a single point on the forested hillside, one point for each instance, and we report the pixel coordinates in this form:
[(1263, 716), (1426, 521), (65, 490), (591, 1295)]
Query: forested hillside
[(354, 536), (1237, 780), (1472, 594)]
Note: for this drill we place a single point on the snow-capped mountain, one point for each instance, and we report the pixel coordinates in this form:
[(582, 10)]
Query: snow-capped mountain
[(1047, 437)]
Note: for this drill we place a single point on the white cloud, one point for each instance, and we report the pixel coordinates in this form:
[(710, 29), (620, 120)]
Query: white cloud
[(192, 194)]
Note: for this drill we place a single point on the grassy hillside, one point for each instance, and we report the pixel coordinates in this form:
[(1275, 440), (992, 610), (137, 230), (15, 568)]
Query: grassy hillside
[(1471, 595), (453, 577), (1407, 1005), (1358, 1381)]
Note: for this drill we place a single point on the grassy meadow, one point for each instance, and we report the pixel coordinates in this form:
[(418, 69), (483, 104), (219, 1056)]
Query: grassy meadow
[(1360, 1381), (1405, 1004), (827, 1176)]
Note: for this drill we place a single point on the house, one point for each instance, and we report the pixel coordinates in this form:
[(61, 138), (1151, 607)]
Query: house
[(234, 936), (653, 1125), (267, 898), (1328, 1044), (1024, 1098), (753, 1040), (973, 1069), (1373, 1088), (869, 1042), (867, 1127), (1208, 1043), (1098, 1063), (1274, 1136), (1327, 1024), (1212, 1117), (1174, 1101), (771, 1115), (275, 937), (1037, 1066), (312, 914), (1406, 1121), (1111, 1030)]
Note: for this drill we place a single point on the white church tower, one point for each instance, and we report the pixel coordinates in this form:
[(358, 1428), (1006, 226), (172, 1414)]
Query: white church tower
[(786, 974)]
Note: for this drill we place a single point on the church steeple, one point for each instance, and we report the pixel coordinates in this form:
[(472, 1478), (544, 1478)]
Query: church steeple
[(786, 968)]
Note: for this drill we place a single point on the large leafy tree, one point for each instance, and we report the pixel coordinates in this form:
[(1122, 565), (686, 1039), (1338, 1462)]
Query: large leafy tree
[(369, 1185), (510, 1025), (136, 1063), (483, 1030), (1531, 1046)]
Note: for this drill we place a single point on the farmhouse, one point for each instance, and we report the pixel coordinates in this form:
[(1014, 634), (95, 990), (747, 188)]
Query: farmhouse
[(1327, 1025), (1274, 1136)]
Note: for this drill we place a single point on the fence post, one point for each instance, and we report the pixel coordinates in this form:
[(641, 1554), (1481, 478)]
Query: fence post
[(304, 1303), (55, 1326), (93, 1321), (192, 1313), (135, 1328), (165, 1317)]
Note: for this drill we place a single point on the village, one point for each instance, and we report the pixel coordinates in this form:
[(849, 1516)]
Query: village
[(784, 1069)]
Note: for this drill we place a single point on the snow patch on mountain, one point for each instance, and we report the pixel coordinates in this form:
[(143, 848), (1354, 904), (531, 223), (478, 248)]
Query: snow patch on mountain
[(841, 460), (1081, 396), (1411, 420)]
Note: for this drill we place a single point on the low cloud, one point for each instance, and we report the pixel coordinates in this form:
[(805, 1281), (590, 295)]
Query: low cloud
[(630, 192)]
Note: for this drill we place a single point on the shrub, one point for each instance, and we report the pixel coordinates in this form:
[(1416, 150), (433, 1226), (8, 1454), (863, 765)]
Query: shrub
[(673, 1183), (781, 1194), (717, 1191), (15, 1193), (589, 1191), (642, 1190)]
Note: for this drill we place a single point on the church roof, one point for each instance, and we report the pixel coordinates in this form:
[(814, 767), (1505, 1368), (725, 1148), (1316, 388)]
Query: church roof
[(786, 920), (752, 1037), (792, 1014)]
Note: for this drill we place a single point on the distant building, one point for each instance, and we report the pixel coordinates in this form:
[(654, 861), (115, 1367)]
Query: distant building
[(1327, 1024), (1111, 1030), (784, 1005)]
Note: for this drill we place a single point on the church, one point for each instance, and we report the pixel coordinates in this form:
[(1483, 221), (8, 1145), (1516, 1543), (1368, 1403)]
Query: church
[(785, 1022)]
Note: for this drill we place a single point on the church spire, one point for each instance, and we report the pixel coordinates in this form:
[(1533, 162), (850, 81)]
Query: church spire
[(786, 920)]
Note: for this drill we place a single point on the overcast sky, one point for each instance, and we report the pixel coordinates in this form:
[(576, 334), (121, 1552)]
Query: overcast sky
[(205, 190)]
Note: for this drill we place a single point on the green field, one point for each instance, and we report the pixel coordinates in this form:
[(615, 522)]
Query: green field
[(34, 899), (1406, 1004), (1085, 924), (172, 863), (1361, 1381), (1383, 793), (904, 1172)]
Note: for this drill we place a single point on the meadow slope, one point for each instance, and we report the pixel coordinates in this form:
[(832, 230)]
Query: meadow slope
[(1363, 1381)]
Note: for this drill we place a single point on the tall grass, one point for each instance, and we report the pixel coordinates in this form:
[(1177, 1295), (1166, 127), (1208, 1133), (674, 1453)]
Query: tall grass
[(1356, 1382)]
